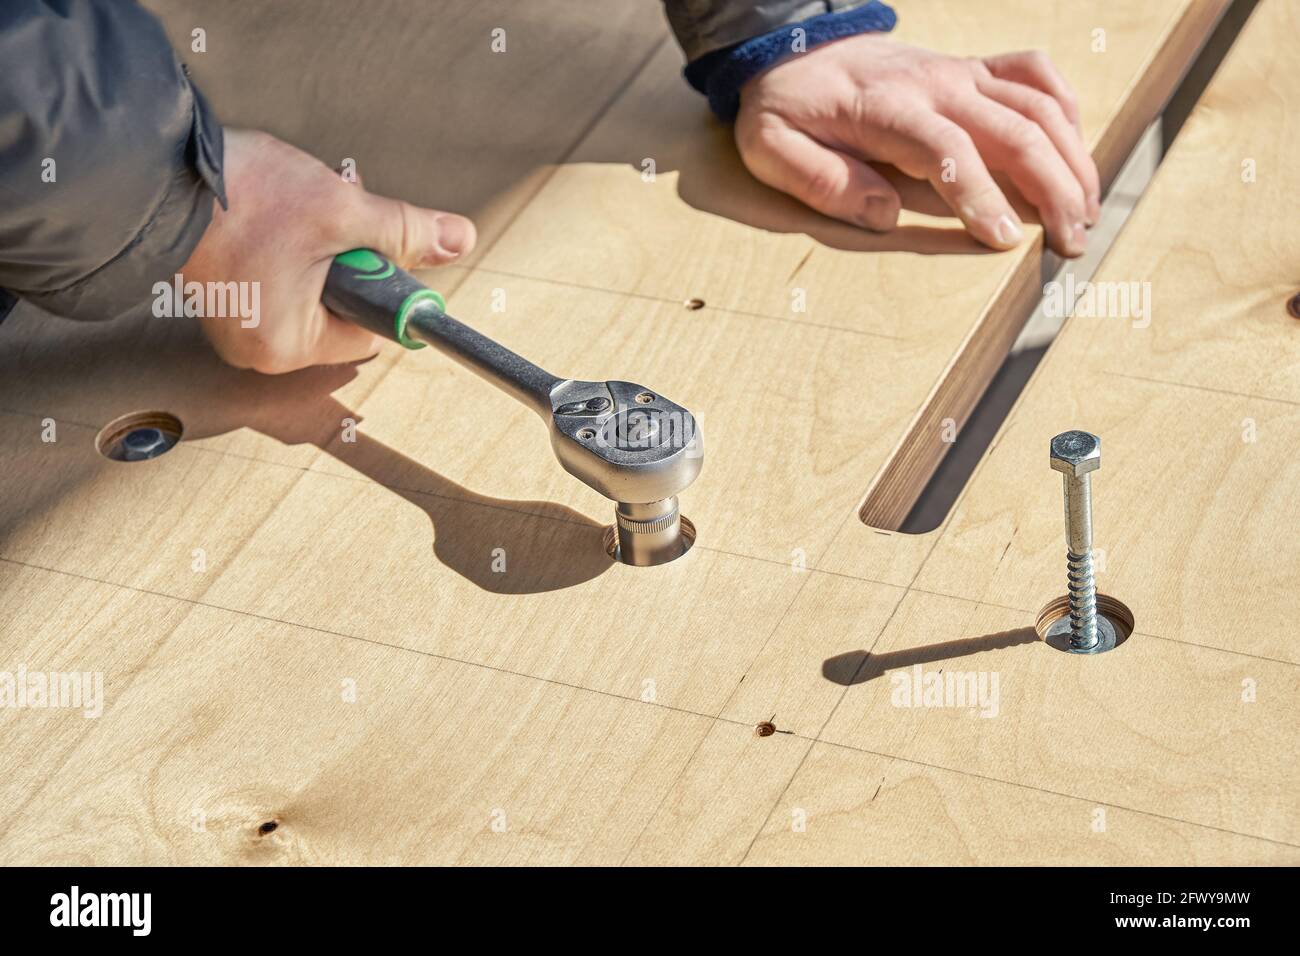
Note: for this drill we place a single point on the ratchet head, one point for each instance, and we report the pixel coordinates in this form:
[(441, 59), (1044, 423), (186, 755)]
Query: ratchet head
[(629, 443), (636, 448)]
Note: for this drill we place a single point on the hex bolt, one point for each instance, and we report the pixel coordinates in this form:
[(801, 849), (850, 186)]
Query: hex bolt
[(1076, 454), (141, 444)]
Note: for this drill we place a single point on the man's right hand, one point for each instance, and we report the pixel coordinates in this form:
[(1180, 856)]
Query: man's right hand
[(289, 216)]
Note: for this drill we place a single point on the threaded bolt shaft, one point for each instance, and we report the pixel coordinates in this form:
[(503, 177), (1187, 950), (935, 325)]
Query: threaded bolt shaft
[(1083, 601)]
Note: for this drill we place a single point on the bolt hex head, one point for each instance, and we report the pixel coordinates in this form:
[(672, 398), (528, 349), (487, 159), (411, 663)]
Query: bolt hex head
[(141, 444), (1076, 453)]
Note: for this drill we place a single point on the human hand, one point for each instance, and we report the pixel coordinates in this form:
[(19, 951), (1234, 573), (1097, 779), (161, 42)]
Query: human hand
[(289, 216), (809, 125)]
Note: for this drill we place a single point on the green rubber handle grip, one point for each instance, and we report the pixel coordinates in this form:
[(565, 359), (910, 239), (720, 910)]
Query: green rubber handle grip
[(368, 289)]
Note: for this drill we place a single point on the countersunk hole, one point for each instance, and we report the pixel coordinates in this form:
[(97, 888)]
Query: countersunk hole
[(694, 305), (645, 398), (586, 434), (1114, 610), (139, 436), (269, 826), (764, 729), (610, 539), (1293, 306)]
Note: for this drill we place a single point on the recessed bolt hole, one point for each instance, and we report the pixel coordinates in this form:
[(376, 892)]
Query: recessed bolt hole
[(765, 729), (139, 436), (269, 826), (1114, 623), (694, 305), (645, 398), (1293, 306), (586, 434)]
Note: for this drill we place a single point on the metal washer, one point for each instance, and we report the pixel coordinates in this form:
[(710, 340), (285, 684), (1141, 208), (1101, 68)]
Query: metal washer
[(1058, 635)]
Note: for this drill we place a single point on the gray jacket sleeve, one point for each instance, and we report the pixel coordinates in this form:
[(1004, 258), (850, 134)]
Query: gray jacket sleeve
[(703, 26), (109, 158)]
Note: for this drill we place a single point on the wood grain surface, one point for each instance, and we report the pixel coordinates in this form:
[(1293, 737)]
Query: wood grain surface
[(350, 665)]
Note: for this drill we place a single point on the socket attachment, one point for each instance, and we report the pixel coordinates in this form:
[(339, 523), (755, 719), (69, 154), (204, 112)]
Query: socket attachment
[(649, 533)]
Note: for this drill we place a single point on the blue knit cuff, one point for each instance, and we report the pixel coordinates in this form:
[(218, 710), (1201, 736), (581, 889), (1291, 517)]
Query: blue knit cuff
[(720, 74)]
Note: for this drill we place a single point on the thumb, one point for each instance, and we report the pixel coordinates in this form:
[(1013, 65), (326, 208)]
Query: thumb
[(409, 235)]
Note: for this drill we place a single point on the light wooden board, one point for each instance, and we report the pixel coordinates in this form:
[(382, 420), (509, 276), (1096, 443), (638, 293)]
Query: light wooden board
[(570, 710)]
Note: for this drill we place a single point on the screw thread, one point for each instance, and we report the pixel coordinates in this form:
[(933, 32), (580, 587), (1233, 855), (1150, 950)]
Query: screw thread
[(1083, 600)]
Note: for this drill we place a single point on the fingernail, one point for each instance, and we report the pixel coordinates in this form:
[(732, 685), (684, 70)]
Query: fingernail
[(1008, 231), (1078, 240), (1094, 210), (440, 254), (452, 234), (878, 214)]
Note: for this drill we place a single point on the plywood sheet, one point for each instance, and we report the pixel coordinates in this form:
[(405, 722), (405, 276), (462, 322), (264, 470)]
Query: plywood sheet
[(566, 709), (356, 753), (851, 808)]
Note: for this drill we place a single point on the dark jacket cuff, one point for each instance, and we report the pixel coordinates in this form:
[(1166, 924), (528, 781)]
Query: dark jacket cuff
[(133, 151), (720, 75), (158, 251)]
